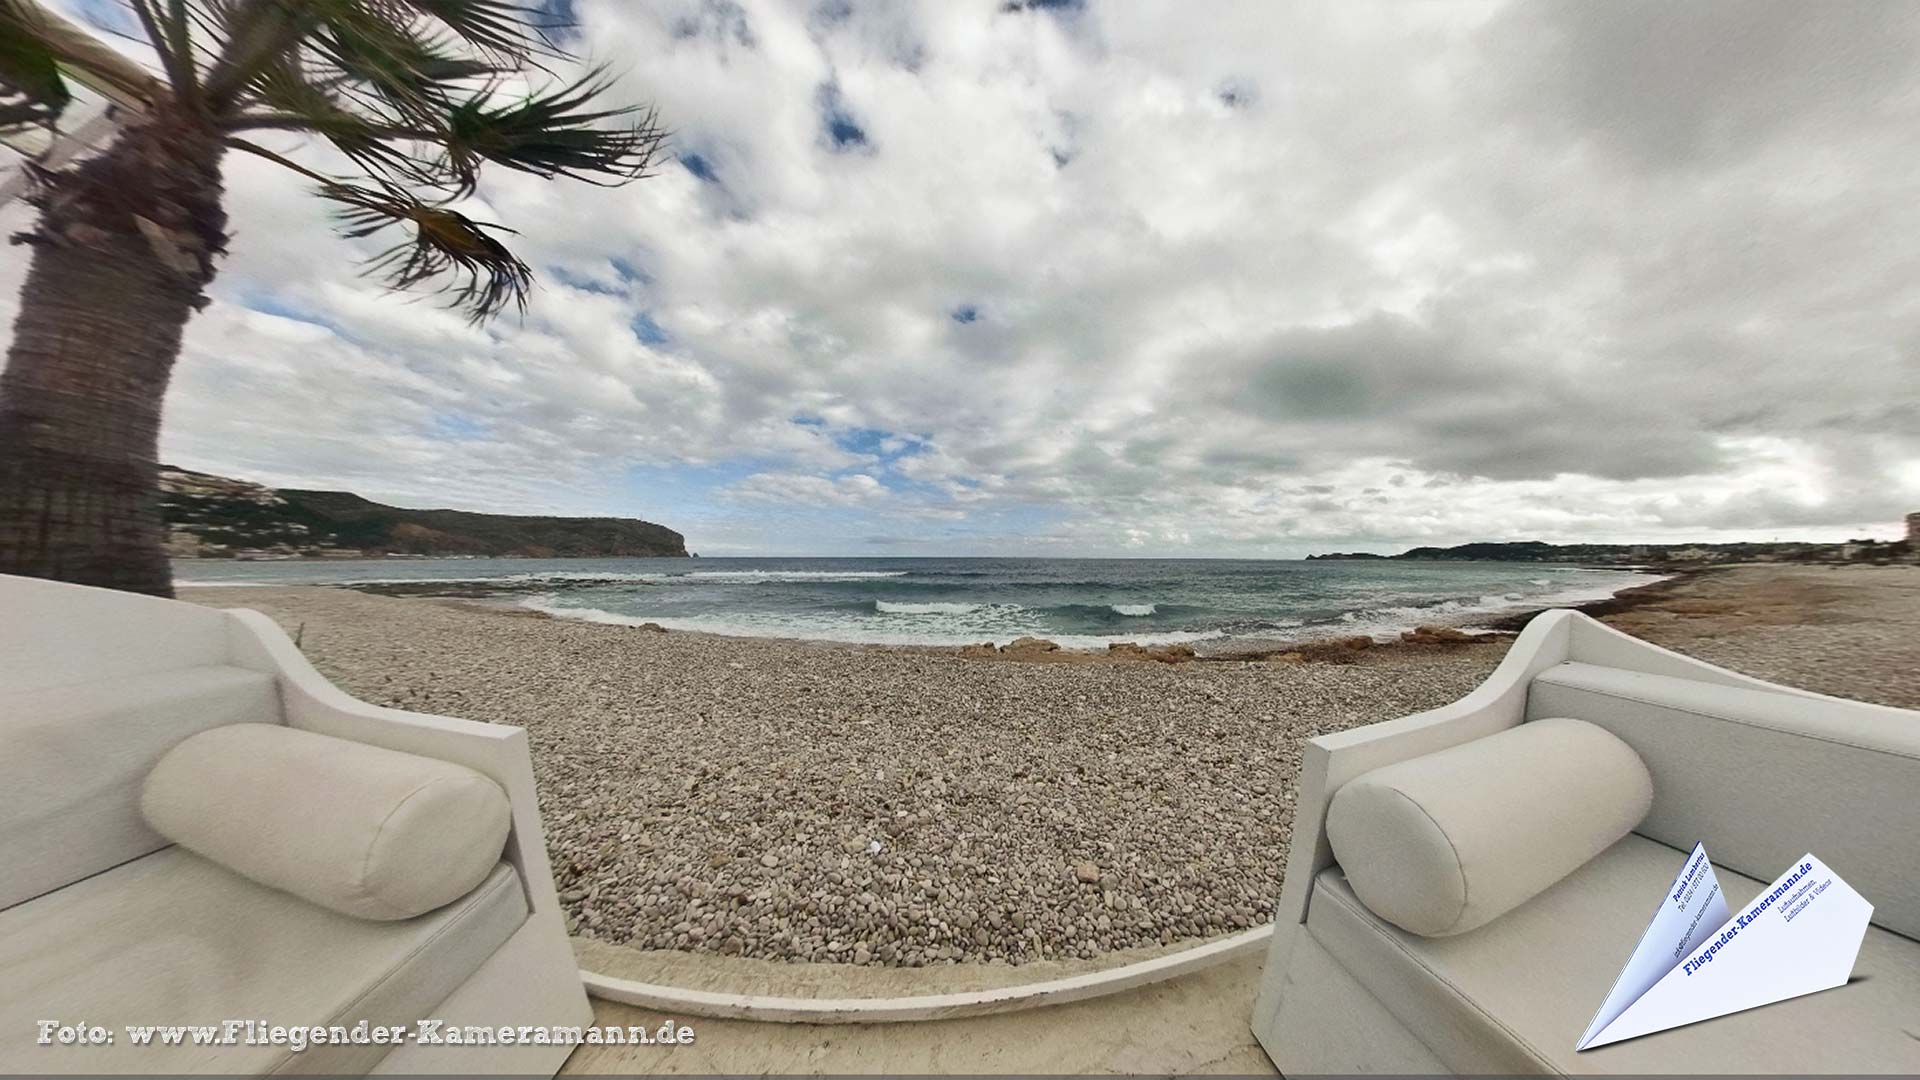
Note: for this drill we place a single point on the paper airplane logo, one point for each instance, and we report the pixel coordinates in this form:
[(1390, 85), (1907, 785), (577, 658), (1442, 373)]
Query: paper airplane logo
[(1695, 961)]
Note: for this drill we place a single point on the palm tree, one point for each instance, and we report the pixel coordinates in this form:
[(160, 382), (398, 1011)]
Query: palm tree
[(415, 95)]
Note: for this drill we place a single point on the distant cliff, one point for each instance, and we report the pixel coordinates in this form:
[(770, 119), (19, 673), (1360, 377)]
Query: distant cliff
[(218, 517), (1538, 551)]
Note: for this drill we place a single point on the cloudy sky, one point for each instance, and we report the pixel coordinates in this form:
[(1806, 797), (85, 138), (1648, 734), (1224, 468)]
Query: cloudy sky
[(1104, 278)]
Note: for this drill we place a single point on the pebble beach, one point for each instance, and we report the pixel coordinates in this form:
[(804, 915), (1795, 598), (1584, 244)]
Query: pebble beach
[(813, 802)]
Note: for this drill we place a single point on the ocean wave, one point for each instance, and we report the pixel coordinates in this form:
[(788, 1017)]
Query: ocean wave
[(352, 582), (997, 623), (889, 607), (562, 577), (1388, 622), (1167, 637), (790, 575), (549, 604), (897, 606), (554, 577), (652, 577), (717, 577)]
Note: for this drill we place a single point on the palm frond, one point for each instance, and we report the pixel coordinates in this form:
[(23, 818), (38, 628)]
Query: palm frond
[(551, 134), (419, 95), (170, 36), (41, 51), (495, 27), (32, 93), (484, 277), (292, 102), (391, 66)]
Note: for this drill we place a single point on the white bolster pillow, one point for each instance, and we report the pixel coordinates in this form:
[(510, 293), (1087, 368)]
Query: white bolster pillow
[(1448, 842), (359, 829)]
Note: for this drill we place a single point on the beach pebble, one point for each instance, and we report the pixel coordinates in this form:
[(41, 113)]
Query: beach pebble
[(827, 803)]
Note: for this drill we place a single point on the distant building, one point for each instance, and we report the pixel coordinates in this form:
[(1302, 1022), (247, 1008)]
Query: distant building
[(1913, 529)]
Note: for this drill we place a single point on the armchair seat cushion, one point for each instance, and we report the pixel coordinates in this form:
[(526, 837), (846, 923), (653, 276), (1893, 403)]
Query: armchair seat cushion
[(1514, 995), (172, 938)]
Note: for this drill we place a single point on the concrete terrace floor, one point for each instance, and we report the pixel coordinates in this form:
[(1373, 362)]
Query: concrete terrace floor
[(1195, 1024)]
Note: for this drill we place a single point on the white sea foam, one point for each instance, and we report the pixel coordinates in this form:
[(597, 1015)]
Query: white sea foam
[(788, 575), (1388, 622), (1101, 641), (549, 604), (589, 577), (715, 577), (890, 607), (734, 606), (998, 623)]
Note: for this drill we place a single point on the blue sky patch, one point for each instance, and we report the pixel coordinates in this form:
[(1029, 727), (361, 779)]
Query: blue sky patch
[(557, 19), (700, 167), (630, 271), (887, 446), (583, 284), (269, 304), (110, 14), (680, 494), (841, 130), (874, 441), (458, 426), (648, 331)]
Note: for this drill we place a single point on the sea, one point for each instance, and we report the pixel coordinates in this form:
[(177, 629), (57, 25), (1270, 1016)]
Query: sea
[(1079, 603)]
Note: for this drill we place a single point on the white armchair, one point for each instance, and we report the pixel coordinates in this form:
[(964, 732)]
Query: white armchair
[(102, 920), (1761, 773)]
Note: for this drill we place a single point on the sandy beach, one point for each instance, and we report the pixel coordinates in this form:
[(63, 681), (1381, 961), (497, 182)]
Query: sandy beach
[(792, 801)]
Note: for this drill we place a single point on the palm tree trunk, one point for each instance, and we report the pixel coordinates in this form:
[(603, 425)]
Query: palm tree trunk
[(123, 250)]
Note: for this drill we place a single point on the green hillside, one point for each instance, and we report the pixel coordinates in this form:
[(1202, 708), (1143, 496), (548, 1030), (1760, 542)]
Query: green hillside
[(215, 516)]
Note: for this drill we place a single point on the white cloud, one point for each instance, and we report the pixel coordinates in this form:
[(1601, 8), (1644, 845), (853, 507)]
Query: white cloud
[(1272, 281), (858, 489)]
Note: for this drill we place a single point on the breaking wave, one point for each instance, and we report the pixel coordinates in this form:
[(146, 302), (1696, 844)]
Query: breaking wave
[(889, 607), (614, 577), (1389, 621), (1078, 603)]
